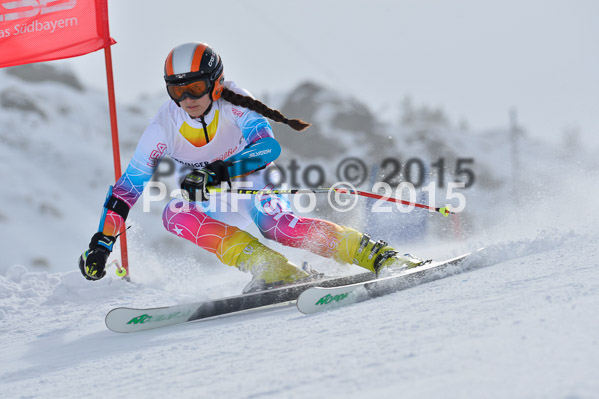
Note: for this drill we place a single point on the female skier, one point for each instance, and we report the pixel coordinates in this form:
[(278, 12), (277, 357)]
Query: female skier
[(221, 132)]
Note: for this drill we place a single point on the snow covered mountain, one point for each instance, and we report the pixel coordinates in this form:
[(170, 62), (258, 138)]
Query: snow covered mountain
[(522, 324), (56, 152)]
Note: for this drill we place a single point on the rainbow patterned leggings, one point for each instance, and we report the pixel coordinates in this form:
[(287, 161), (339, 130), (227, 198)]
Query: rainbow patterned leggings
[(216, 226)]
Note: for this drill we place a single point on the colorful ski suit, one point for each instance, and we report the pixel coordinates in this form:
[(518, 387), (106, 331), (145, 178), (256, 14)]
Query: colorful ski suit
[(226, 132)]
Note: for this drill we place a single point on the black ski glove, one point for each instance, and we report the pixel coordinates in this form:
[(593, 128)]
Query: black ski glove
[(212, 175), (93, 261)]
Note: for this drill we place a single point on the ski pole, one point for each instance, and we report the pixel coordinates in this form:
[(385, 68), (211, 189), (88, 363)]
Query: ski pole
[(442, 210)]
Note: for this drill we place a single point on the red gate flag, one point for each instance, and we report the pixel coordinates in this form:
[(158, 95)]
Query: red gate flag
[(46, 30)]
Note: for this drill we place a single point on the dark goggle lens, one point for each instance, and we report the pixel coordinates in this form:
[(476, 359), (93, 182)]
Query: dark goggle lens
[(194, 90)]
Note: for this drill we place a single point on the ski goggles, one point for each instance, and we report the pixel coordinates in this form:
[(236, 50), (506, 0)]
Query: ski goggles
[(193, 90)]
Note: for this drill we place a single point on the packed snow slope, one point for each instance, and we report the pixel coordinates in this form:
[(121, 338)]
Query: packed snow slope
[(521, 323), (519, 320)]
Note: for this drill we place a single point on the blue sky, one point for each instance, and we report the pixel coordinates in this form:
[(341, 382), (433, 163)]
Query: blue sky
[(475, 59)]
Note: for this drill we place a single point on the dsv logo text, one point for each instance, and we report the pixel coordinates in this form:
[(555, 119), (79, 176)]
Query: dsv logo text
[(21, 9)]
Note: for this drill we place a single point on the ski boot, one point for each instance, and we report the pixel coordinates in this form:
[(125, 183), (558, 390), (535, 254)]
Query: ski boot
[(376, 256), (270, 269)]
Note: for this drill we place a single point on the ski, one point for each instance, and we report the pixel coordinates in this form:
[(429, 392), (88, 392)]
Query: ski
[(311, 297), (317, 299), (126, 320)]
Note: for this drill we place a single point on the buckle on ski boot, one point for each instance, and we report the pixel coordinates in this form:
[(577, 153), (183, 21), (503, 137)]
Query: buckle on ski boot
[(378, 263), (376, 248), (363, 243)]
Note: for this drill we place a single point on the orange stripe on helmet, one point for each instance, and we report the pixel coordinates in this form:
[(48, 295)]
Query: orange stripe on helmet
[(168, 65), (197, 57)]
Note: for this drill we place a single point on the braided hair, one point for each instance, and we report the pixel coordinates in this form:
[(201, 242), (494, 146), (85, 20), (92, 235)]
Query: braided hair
[(262, 109)]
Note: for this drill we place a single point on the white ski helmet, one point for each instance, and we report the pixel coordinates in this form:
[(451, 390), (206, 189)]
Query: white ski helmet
[(192, 70)]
